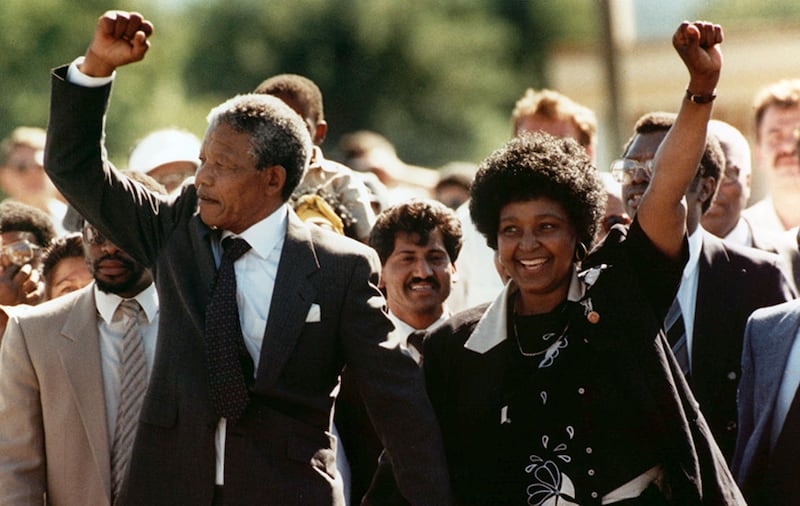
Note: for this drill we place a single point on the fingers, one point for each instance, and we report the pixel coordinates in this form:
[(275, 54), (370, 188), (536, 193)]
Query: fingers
[(125, 25)]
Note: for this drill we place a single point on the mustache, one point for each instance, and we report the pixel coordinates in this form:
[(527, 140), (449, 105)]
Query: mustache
[(430, 280), (127, 262)]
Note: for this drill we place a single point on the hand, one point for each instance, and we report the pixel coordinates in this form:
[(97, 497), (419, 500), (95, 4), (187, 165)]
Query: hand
[(698, 46), (120, 38), (20, 285)]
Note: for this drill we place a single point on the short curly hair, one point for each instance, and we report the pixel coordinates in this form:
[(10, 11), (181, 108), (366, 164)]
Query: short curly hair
[(417, 216), (535, 166), (18, 217)]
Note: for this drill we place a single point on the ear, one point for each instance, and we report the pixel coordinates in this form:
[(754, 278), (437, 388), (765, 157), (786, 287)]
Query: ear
[(275, 177), (707, 190), (453, 273), (320, 132)]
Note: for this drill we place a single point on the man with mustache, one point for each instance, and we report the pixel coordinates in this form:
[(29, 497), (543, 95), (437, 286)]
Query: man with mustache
[(62, 383), (777, 109), (418, 243)]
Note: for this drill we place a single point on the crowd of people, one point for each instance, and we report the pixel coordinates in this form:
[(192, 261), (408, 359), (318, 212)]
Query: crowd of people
[(240, 320)]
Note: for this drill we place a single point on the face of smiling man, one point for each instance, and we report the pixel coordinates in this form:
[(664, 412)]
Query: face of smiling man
[(417, 278)]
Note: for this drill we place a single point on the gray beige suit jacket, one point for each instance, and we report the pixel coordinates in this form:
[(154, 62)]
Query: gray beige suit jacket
[(768, 339), (281, 450), (53, 429)]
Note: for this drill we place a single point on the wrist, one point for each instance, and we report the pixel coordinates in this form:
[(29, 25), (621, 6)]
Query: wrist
[(93, 66), (701, 97)]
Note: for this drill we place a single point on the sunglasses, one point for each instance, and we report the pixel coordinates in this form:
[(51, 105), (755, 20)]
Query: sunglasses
[(92, 236)]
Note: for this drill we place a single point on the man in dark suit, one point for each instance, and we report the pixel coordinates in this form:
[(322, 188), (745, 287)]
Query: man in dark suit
[(722, 283), (255, 427), (418, 243)]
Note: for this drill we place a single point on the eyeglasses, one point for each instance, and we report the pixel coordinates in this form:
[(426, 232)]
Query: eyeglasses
[(624, 169), (92, 236), (21, 252)]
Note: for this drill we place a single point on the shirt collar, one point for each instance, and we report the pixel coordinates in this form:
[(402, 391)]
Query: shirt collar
[(740, 234), (491, 329), (262, 236), (107, 302)]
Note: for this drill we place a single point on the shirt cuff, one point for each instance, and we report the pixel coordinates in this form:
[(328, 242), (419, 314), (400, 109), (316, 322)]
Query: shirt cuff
[(75, 76)]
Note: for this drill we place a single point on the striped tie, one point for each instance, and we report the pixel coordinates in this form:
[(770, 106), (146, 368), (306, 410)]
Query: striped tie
[(133, 383)]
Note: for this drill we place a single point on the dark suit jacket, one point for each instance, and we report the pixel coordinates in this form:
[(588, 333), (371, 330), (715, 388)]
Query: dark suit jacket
[(464, 377), (769, 337), (280, 451), (733, 281)]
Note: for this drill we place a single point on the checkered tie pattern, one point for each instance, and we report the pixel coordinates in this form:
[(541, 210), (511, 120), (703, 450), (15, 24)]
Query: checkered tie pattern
[(230, 367), (133, 384)]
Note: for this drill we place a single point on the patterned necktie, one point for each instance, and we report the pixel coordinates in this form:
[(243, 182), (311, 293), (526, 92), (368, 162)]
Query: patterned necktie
[(133, 383), (230, 367), (676, 335)]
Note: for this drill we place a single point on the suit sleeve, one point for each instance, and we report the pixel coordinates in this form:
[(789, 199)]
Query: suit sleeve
[(22, 457), (393, 389), (76, 161)]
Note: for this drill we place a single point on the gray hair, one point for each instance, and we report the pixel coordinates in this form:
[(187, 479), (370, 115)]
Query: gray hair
[(278, 136)]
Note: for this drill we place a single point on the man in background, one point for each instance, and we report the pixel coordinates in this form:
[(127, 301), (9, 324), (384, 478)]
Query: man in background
[(777, 117), (418, 243)]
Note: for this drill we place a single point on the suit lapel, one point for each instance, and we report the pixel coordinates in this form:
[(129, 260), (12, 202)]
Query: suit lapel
[(291, 300), (201, 237), (771, 366), (79, 351)]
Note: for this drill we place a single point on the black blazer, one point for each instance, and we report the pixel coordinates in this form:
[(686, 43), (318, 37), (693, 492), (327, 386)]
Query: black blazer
[(464, 378), (733, 281), (281, 451)]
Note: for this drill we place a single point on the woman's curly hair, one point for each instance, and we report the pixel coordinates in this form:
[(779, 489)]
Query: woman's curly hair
[(535, 166)]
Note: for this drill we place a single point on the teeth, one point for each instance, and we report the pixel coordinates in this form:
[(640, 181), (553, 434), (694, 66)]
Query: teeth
[(533, 263), (421, 287)]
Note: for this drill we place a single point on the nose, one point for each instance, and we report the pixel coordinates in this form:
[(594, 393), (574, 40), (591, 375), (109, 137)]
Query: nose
[(202, 176), (109, 248), (422, 269), (529, 241), (639, 175)]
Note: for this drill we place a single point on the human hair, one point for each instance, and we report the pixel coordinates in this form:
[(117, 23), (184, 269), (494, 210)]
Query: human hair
[(782, 94), (711, 165), (533, 166), (300, 90), (277, 134), (556, 106), (417, 216), (67, 246), (18, 217), (33, 137)]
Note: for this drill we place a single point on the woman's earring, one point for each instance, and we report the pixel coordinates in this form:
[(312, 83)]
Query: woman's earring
[(580, 252)]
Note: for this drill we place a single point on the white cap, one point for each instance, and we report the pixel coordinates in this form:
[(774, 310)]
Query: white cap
[(164, 146)]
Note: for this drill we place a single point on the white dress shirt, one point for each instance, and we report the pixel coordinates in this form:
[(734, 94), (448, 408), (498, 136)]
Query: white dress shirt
[(687, 292), (255, 280), (111, 332), (402, 330), (740, 234)]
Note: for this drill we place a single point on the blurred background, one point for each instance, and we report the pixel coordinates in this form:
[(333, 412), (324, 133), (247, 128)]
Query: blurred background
[(438, 78)]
